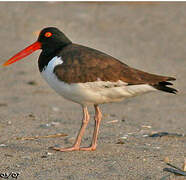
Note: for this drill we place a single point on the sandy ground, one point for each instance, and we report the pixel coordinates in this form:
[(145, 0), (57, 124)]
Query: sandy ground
[(148, 36)]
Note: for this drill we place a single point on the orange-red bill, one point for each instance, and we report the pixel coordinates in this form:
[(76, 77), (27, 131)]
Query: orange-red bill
[(25, 52)]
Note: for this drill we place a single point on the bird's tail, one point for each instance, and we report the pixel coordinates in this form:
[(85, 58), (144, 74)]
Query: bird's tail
[(164, 86)]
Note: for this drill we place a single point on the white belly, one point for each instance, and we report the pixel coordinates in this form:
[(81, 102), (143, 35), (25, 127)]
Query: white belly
[(98, 92)]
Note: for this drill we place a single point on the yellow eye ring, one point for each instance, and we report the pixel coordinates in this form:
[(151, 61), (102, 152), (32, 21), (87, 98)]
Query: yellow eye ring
[(48, 34)]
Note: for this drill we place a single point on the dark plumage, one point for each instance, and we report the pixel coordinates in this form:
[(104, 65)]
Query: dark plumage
[(88, 77)]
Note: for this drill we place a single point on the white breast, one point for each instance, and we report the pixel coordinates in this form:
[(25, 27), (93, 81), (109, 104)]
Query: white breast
[(97, 92)]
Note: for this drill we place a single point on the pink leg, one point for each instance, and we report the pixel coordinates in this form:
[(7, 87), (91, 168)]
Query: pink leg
[(97, 118), (77, 143)]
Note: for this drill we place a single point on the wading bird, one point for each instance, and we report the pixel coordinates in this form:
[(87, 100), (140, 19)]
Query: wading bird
[(88, 77)]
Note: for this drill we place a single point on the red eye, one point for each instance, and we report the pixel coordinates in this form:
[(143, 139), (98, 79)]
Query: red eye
[(48, 34)]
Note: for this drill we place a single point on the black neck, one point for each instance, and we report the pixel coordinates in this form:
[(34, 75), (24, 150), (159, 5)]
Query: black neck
[(54, 47), (45, 58)]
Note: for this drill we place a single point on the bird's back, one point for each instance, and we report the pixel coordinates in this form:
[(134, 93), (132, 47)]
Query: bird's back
[(82, 64)]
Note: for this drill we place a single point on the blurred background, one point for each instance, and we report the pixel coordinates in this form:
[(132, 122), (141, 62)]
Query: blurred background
[(148, 36)]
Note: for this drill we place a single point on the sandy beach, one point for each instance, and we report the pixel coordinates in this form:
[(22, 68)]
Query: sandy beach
[(147, 36)]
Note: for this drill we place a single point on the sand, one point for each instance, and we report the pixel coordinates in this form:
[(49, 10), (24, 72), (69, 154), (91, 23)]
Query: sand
[(148, 36)]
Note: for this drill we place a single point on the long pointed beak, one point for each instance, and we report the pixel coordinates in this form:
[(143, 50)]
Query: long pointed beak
[(25, 52)]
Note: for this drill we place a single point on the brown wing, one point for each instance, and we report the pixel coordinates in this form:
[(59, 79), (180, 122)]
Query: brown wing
[(83, 64)]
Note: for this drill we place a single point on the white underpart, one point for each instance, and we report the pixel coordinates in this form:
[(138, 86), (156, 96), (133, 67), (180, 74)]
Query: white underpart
[(98, 92)]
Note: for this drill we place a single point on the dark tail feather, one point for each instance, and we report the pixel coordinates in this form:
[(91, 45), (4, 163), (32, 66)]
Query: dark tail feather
[(162, 86), (164, 83)]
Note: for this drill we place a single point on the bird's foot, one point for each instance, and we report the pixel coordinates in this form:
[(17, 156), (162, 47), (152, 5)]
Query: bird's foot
[(91, 148), (74, 148)]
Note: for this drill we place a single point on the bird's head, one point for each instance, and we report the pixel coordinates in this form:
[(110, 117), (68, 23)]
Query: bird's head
[(50, 39)]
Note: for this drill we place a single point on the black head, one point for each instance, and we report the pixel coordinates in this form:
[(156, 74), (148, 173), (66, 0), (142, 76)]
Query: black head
[(52, 39)]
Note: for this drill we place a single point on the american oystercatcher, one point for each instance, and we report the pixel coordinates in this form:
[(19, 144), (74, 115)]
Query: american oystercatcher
[(88, 77)]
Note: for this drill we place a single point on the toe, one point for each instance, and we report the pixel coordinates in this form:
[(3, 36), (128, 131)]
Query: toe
[(66, 149)]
